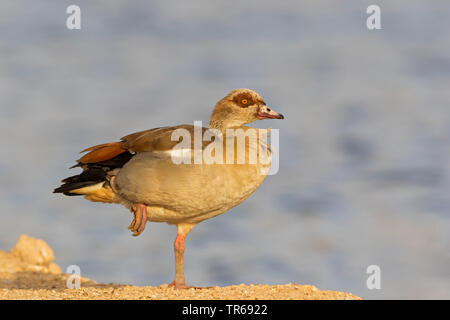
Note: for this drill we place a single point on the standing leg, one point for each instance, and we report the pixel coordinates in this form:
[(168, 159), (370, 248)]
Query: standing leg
[(182, 230)]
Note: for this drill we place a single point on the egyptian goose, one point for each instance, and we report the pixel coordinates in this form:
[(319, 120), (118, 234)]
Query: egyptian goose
[(147, 172)]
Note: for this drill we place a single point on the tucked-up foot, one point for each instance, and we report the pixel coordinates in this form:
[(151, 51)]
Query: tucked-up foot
[(139, 220)]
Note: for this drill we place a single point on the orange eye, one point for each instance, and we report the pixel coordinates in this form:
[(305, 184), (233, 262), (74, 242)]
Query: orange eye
[(244, 101)]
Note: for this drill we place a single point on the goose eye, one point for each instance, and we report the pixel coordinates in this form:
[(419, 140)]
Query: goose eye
[(244, 101)]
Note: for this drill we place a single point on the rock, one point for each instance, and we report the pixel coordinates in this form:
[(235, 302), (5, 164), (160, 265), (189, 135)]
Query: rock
[(33, 251), (54, 268), (29, 255), (10, 263)]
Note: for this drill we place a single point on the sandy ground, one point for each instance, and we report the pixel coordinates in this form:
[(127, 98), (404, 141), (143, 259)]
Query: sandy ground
[(27, 272)]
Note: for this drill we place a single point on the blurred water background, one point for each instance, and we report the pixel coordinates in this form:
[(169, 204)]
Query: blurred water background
[(364, 153)]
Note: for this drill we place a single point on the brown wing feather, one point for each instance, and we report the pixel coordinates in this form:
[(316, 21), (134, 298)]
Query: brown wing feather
[(144, 140), (158, 139), (102, 152), (107, 151)]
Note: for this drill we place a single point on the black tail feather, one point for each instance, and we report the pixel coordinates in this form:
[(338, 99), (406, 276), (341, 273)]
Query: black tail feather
[(93, 173), (67, 187), (88, 177)]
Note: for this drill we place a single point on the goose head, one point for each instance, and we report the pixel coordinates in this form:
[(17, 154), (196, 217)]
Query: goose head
[(239, 107)]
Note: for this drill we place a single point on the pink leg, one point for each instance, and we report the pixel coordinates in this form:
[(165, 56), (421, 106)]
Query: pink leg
[(178, 246), (182, 231), (139, 212), (140, 220)]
